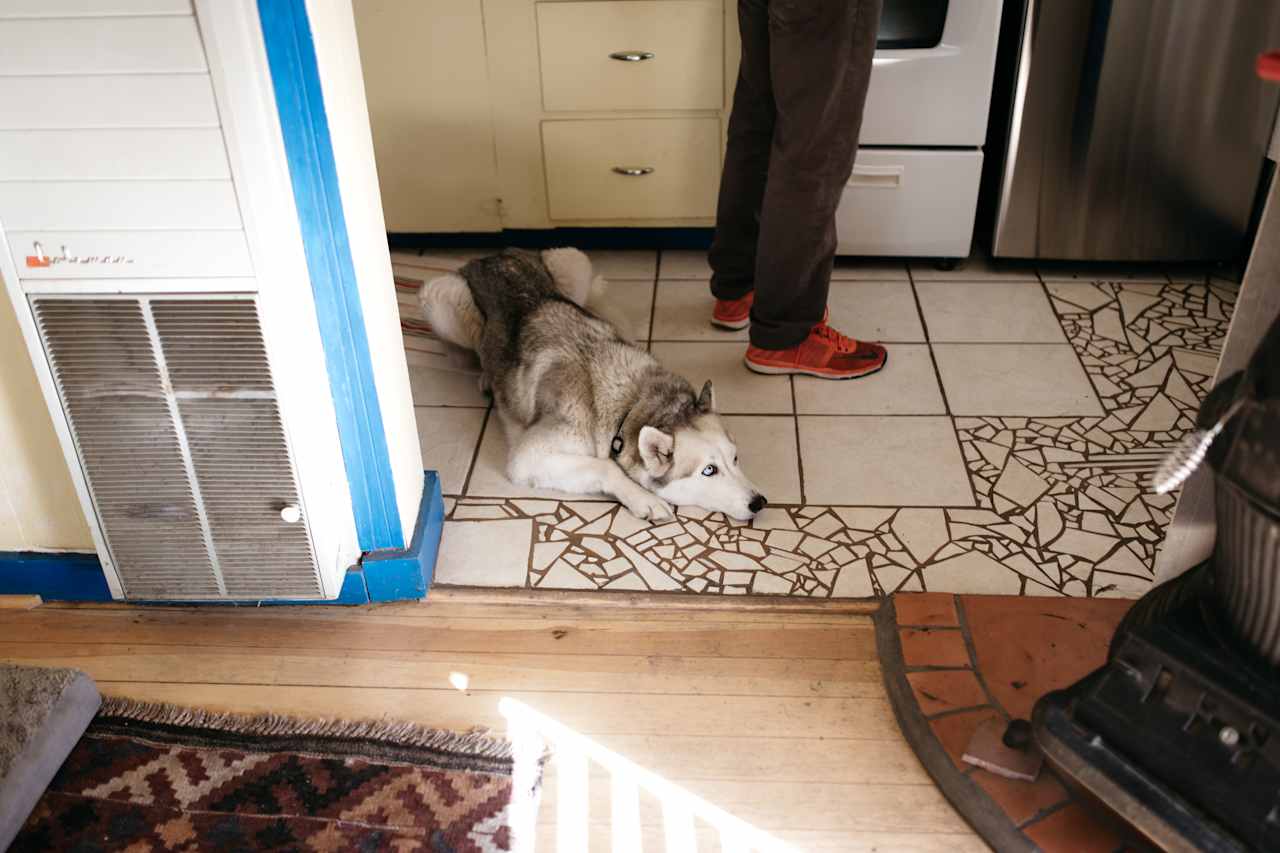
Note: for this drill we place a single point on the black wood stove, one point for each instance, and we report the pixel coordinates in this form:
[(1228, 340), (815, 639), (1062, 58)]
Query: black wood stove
[(1179, 733)]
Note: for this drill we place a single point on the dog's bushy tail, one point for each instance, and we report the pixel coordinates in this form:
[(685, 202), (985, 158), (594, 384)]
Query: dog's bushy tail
[(571, 271), (450, 309)]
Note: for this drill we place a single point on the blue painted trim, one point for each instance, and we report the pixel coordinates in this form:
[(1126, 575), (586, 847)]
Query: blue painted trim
[(406, 574), (295, 77), (387, 575), (53, 577)]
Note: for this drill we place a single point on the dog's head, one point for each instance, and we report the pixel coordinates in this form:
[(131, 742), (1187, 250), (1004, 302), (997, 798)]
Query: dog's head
[(696, 463)]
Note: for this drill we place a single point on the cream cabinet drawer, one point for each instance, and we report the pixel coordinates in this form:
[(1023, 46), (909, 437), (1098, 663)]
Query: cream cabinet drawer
[(632, 55), (130, 254), (632, 168)]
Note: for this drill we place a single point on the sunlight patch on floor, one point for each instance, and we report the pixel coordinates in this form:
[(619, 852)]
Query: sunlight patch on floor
[(533, 733)]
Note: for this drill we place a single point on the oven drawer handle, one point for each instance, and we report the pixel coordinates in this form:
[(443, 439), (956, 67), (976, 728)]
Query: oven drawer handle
[(631, 55), (633, 171), (885, 177)]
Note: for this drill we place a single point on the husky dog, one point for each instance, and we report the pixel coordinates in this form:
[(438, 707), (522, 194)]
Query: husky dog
[(584, 409)]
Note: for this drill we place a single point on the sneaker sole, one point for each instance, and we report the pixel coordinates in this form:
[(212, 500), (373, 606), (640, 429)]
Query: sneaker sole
[(802, 371), (731, 325)]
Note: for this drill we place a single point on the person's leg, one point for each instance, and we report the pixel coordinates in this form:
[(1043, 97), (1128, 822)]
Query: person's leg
[(746, 160), (820, 62)]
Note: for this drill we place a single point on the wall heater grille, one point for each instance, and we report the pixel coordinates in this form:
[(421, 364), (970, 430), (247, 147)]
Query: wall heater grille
[(176, 424)]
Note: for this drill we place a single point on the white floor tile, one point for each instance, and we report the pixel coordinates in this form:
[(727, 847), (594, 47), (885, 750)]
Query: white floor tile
[(1072, 271), (738, 390), (485, 553), (628, 304), (907, 385), (1034, 380), (875, 310), (683, 313), (869, 310), (883, 461), (684, 264), (444, 385), (873, 269), (489, 477), (448, 438), (767, 450), (977, 268), (625, 264), (988, 311)]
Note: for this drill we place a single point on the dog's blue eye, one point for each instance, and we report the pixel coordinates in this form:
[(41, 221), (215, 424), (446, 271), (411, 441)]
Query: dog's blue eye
[(710, 471)]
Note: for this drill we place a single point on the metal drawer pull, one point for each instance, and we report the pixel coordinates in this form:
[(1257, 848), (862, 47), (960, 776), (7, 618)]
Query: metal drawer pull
[(631, 55), (633, 171)]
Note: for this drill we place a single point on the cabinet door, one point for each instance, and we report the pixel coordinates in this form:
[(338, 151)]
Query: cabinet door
[(426, 82)]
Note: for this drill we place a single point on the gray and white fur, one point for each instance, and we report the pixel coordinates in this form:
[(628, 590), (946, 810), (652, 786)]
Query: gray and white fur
[(565, 382)]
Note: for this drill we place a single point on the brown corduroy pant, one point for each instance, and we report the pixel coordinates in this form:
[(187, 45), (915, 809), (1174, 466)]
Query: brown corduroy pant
[(793, 136)]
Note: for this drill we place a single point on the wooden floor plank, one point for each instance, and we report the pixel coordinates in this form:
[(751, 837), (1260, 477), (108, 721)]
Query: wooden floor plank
[(587, 713), (811, 841), (776, 716), (819, 613), (778, 806), (390, 633), (546, 672)]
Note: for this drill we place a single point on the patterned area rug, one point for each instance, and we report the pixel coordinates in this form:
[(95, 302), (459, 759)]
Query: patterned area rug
[(158, 778)]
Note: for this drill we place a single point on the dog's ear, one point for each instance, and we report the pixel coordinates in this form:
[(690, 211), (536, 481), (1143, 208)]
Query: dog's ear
[(707, 398), (655, 450), (571, 271)]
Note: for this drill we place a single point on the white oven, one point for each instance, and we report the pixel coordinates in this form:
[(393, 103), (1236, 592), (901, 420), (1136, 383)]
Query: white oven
[(914, 190)]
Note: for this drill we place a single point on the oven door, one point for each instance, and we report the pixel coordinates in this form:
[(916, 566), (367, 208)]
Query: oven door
[(932, 89)]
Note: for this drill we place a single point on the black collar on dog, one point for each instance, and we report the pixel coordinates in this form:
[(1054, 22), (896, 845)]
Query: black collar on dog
[(615, 446)]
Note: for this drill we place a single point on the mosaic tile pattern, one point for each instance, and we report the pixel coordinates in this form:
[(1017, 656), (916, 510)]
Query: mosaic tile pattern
[(1061, 502)]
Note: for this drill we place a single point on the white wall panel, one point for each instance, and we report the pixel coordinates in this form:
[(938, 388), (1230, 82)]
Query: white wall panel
[(60, 155), (100, 46)]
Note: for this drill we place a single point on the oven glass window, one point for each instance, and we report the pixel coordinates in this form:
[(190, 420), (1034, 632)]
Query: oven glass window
[(911, 24)]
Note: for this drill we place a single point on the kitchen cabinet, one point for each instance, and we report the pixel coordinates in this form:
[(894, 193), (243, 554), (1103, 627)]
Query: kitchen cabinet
[(491, 114), (427, 85), (536, 114)]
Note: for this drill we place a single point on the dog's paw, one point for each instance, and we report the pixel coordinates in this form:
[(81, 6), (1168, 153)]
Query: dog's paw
[(652, 508)]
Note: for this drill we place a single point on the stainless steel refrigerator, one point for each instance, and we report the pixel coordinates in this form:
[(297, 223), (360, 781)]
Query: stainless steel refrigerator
[(1138, 129)]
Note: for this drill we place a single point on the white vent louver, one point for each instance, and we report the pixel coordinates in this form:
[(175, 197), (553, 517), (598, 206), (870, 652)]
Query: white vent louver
[(175, 420)]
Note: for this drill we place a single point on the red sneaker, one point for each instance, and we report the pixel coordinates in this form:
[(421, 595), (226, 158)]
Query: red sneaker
[(733, 314), (826, 354)]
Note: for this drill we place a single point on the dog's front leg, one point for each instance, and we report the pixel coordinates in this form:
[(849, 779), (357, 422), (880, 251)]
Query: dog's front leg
[(532, 464)]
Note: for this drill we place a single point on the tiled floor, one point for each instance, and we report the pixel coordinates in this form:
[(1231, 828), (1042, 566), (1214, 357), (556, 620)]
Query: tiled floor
[(1004, 448), (960, 661)]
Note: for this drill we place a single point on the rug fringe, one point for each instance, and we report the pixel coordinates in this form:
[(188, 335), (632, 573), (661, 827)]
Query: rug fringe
[(479, 742)]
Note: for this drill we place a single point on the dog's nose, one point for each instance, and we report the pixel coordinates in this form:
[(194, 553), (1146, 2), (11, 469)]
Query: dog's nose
[(757, 503)]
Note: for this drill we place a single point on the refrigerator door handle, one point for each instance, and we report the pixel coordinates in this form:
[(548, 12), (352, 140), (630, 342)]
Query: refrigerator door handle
[(1016, 117)]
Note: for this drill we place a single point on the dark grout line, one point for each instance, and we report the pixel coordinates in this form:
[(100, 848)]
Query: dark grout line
[(965, 633), (933, 358), (795, 417), (1097, 397), (653, 300), (475, 454)]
